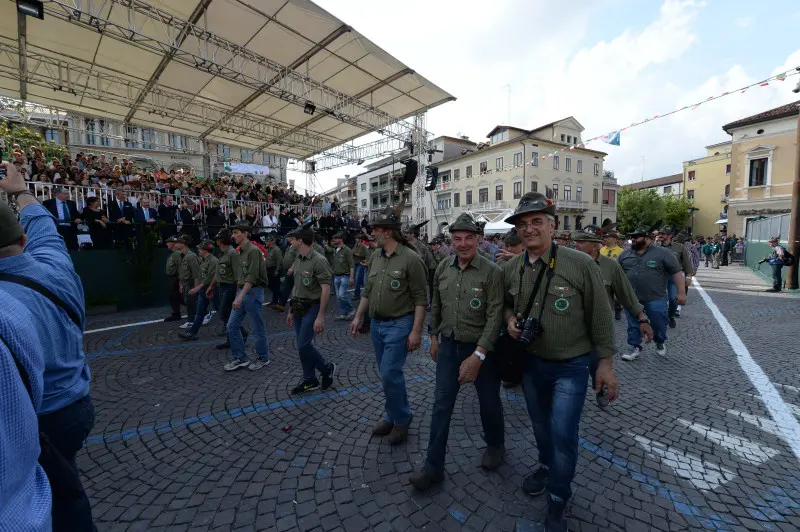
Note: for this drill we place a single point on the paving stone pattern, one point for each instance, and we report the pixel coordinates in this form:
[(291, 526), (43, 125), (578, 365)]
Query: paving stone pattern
[(179, 444)]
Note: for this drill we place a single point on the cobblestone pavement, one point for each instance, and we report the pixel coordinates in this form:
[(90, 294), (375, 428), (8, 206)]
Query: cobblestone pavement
[(179, 444)]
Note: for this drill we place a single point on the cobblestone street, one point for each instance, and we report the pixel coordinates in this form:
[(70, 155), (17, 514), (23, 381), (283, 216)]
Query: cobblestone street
[(180, 444)]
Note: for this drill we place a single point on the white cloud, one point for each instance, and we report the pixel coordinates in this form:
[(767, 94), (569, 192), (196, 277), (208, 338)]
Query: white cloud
[(744, 22)]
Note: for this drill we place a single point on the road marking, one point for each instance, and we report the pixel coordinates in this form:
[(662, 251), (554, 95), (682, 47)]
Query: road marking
[(104, 329), (786, 423), (745, 449)]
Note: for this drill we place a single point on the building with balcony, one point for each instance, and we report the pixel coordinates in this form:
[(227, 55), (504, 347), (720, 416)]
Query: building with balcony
[(345, 194), (763, 165), (490, 177), (707, 181), (664, 186)]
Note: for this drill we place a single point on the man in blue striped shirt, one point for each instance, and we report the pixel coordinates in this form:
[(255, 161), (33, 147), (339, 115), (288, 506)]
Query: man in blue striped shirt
[(66, 413), (25, 502)]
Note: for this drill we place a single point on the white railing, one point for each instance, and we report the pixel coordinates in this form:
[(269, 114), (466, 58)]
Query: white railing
[(572, 204), (486, 206)]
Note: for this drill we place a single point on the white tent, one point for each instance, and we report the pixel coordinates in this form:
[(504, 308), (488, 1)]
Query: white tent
[(498, 225)]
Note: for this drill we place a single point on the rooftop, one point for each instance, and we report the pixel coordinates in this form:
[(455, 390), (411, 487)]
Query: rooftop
[(790, 109), (658, 182)]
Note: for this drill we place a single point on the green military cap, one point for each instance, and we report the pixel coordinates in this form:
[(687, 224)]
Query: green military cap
[(589, 233), (173, 238), (391, 217), (465, 222), (481, 225), (206, 244), (224, 234), (532, 202), (512, 238), (268, 237), (340, 234), (185, 239), (641, 230), (667, 230), (307, 229), (243, 225), (415, 229), (10, 230)]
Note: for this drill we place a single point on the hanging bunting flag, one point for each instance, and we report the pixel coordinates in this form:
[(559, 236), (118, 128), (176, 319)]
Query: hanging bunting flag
[(781, 77), (611, 138)]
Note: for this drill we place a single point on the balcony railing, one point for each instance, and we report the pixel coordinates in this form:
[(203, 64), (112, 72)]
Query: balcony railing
[(572, 204), (486, 206)]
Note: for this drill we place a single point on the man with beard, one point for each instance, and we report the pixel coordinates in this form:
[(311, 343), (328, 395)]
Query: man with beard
[(684, 259), (648, 267), (556, 311), (467, 312), (396, 298), (618, 288)]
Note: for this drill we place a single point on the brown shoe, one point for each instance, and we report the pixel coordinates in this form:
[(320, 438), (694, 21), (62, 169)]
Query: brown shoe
[(382, 429), (279, 308), (399, 434), (492, 458)]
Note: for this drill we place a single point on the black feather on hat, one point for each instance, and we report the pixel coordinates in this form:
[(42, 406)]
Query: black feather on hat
[(391, 217)]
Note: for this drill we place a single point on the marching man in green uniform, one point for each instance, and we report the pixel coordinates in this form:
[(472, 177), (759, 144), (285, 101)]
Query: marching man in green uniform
[(225, 282), (557, 312), (252, 279), (589, 240), (396, 298), (189, 274), (685, 260), (343, 275), (467, 312), (312, 291), (436, 256), (360, 253), (412, 235), (208, 270), (273, 264), (173, 264)]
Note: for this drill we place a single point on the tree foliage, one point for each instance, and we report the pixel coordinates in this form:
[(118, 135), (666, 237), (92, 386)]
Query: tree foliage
[(647, 207), (17, 134)]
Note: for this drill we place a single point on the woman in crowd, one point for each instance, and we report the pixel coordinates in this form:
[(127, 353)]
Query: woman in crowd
[(96, 219)]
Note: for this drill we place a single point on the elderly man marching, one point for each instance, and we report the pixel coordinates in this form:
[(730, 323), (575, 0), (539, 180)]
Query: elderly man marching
[(557, 312), (617, 286), (685, 260), (396, 298), (467, 312)]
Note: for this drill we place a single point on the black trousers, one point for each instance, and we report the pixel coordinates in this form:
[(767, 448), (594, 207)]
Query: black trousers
[(70, 235), (274, 285), (67, 429), (175, 295)]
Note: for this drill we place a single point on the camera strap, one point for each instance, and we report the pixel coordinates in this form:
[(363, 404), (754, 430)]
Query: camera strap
[(549, 270)]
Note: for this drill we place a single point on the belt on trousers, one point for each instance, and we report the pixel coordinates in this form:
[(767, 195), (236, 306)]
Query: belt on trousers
[(309, 301), (379, 318)]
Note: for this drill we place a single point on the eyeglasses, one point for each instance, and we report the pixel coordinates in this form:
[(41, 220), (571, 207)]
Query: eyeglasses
[(537, 223)]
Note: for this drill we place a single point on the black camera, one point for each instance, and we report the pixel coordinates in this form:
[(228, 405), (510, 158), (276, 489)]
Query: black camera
[(531, 330)]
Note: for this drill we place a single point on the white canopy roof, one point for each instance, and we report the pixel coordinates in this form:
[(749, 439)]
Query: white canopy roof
[(231, 71), (498, 225)]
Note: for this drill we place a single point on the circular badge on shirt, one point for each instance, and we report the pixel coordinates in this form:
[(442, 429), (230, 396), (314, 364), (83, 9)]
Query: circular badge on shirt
[(307, 281), (561, 304), (395, 284), (475, 303), (223, 268), (651, 263)]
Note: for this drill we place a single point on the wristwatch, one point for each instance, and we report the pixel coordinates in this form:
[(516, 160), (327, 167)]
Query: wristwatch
[(480, 355), (643, 321)]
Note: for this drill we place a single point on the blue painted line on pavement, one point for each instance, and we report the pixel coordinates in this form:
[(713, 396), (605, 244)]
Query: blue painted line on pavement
[(457, 515), (208, 417), (773, 310), (107, 351)]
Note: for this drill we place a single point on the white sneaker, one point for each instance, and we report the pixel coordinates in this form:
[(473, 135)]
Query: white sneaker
[(207, 318), (257, 364), (235, 364), (632, 354), (186, 325), (661, 349)]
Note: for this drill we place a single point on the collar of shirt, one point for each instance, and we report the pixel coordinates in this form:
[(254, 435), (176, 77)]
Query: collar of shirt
[(544, 257), (307, 255), (473, 263), (397, 251)]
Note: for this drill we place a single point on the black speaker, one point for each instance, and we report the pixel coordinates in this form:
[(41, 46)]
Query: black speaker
[(431, 176), (409, 175)]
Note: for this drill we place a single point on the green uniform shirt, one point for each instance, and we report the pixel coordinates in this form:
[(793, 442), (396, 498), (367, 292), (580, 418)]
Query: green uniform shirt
[(274, 259), (208, 269), (252, 267), (485, 254), (227, 266), (342, 261), (424, 254), (310, 273), (468, 304), (360, 252), (316, 247), (682, 255), (173, 263), (438, 257), (576, 316), (288, 258), (329, 254), (395, 284), (618, 286), (190, 267)]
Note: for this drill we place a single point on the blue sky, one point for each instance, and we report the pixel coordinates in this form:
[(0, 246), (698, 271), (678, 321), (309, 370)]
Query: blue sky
[(606, 62)]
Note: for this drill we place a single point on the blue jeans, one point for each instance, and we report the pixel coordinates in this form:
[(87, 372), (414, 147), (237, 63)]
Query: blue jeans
[(227, 293), (656, 310), (451, 355), (310, 358), (672, 295), (200, 314), (360, 273), (251, 307), (776, 276), (555, 393), (340, 284), (67, 429), (389, 339)]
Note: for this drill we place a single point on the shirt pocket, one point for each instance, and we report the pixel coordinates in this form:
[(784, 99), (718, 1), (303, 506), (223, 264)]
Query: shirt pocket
[(476, 298), (307, 278), (396, 280), (562, 301)]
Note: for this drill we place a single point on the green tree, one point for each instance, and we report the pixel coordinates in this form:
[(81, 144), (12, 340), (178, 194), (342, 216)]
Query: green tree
[(676, 211), (639, 207)]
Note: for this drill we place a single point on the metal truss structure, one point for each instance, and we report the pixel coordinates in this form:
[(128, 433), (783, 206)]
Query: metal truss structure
[(186, 43)]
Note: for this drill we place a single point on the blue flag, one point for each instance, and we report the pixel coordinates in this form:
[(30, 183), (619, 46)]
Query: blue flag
[(611, 138)]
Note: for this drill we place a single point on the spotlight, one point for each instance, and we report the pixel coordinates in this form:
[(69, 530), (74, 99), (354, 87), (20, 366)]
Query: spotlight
[(309, 108), (32, 8)]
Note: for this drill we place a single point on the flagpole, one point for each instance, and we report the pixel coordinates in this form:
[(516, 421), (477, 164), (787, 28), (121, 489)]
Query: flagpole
[(642, 168)]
